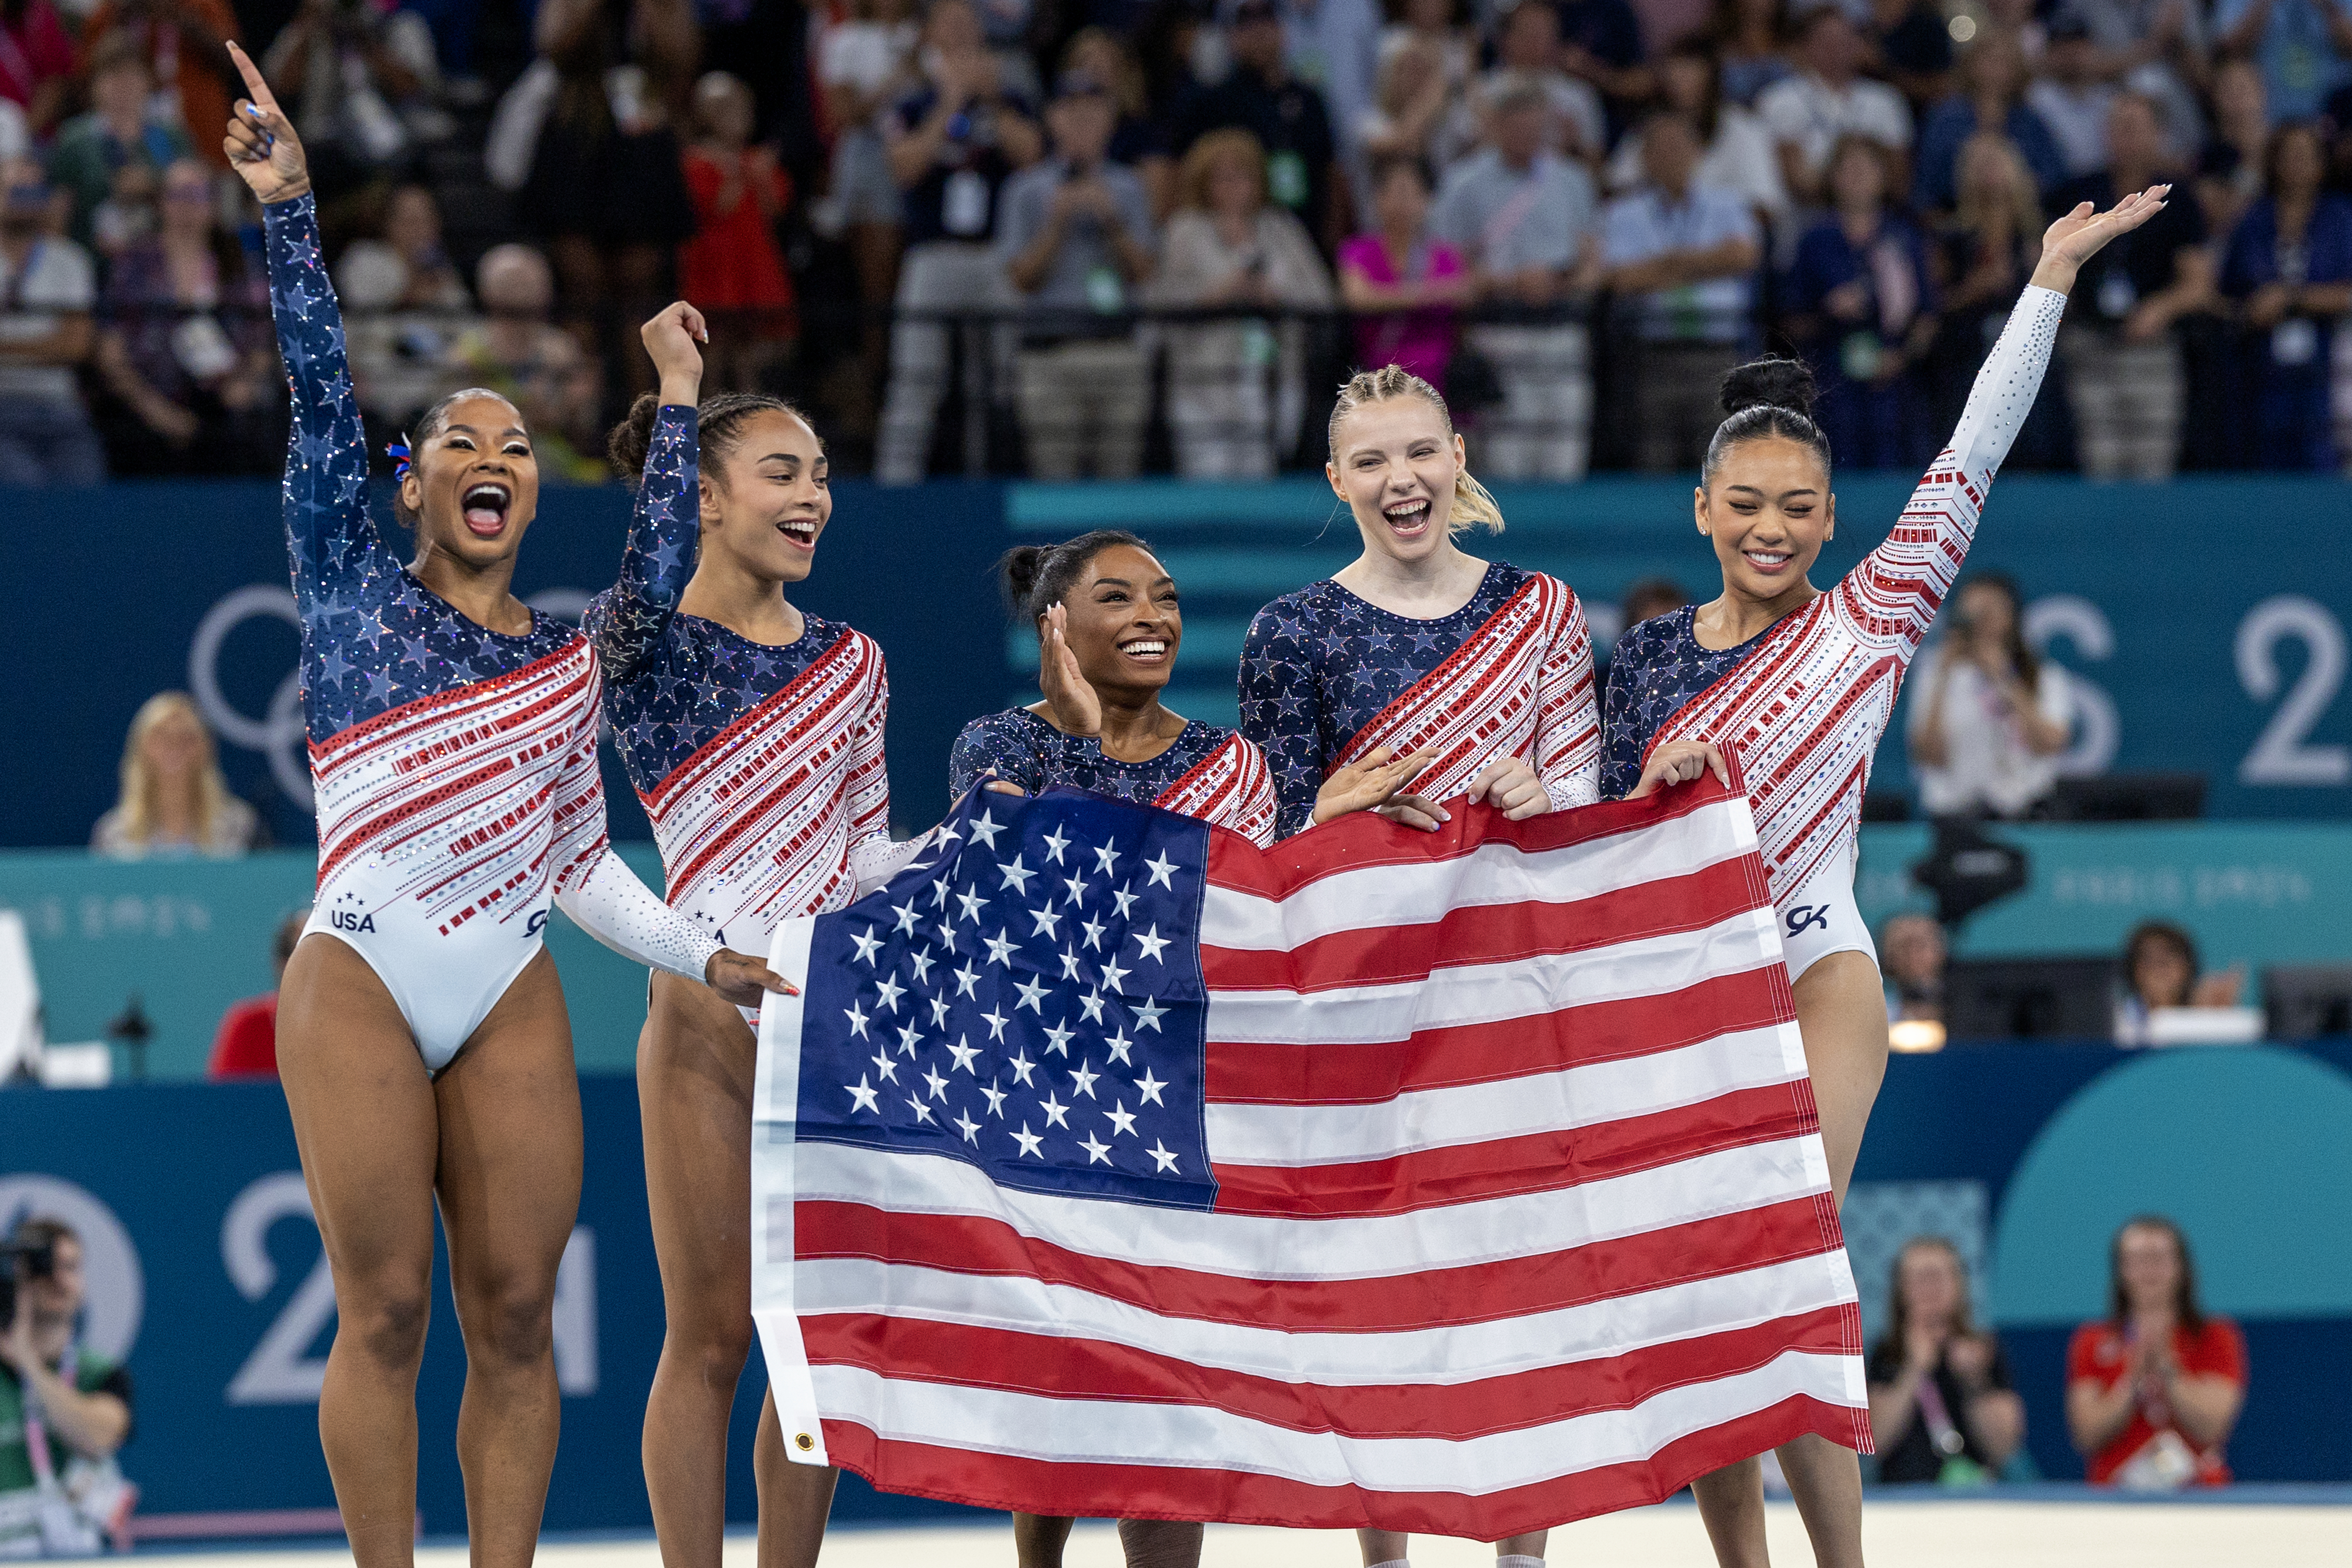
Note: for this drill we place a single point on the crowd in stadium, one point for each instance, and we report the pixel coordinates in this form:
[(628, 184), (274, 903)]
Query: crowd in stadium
[(1168, 225)]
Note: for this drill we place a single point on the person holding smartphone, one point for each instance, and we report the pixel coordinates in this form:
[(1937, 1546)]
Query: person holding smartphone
[(1990, 719)]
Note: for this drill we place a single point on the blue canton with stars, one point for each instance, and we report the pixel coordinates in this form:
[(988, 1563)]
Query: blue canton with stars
[(1321, 664), (1021, 749), (1028, 999), (1654, 672), (673, 683), (374, 638)]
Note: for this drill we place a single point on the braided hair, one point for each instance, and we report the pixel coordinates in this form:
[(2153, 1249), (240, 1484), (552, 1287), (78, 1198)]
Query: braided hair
[(1473, 507), (434, 420), (718, 427), (1768, 397)]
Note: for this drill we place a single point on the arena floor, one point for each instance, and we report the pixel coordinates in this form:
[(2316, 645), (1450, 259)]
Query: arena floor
[(2285, 1529)]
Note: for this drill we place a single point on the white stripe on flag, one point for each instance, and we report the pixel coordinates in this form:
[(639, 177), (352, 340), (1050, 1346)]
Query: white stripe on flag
[(1445, 1354), (1580, 1096), (1704, 1186), (1496, 993), (1496, 873), (1194, 1437), (775, 1096)]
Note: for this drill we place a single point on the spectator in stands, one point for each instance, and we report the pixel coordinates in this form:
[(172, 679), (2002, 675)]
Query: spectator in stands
[(77, 1400), (1404, 284), (1227, 246), (1740, 156), (1828, 98), (2161, 970), (1861, 309), (866, 62), (2158, 48), (1649, 597), (111, 157), (1076, 243), (184, 40), (1988, 719), (2126, 379), (187, 352), (1681, 256), (1991, 96), (2071, 96), (2289, 268), (405, 305), (1600, 41), (2230, 169), (1912, 949), (1985, 250), (1529, 50), (1523, 217), (2153, 1388), (36, 62), (2303, 48), (245, 1044), (1137, 140), (1941, 1405), (606, 191), (518, 353), (1288, 116), (407, 266), (343, 70), (1750, 38), (1910, 44), (1333, 45), (173, 802), (953, 144), (733, 267), (1416, 111), (1432, 30), (49, 287)]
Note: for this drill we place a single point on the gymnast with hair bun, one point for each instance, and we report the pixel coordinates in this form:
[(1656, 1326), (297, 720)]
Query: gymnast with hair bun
[(1797, 684)]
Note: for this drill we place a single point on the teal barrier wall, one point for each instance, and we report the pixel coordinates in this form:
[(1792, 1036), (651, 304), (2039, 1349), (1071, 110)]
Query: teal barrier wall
[(191, 937)]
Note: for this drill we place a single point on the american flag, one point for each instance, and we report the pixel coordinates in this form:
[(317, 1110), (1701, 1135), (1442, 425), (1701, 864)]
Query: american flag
[(1463, 1183)]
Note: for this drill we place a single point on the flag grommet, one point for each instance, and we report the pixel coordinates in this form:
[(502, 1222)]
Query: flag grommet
[(803, 1442)]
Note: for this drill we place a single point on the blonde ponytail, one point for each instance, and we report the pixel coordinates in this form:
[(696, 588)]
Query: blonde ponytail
[(1473, 507)]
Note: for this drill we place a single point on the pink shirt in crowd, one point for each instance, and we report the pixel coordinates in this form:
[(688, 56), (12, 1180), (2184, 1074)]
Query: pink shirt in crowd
[(1420, 340)]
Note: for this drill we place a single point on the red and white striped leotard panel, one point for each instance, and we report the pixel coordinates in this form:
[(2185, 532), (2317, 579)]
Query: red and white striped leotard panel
[(1231, 788), (785, 811), (1804, 712)]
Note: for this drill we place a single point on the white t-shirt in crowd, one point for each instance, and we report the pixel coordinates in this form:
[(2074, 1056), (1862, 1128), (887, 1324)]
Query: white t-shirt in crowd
[(1988, 765), (57, 280), (1740, 159), (1807, 110), (865, 55)]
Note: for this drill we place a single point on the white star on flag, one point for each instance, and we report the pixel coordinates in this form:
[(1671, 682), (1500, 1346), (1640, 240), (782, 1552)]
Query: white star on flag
[(865, 1096), (1152, 942), (1014, 877), (1162, 870)]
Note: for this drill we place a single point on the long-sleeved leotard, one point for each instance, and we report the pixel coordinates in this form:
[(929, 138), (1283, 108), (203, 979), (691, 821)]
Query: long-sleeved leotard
[(1803, 704), (1207, 772), (454, 767), (760, 767), (1327, 678)]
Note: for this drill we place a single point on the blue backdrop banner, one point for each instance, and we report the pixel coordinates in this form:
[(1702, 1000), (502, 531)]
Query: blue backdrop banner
[(2226, 656)]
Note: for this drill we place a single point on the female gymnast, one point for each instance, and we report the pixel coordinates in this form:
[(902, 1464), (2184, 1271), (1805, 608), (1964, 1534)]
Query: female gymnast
[(1420, 664), (753, 731), (1108, 627), (421, 1028), (1799, 684)]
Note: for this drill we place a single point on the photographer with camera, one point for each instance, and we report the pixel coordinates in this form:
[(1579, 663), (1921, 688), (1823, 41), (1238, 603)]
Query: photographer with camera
[(1988, 719), (64, 1410)]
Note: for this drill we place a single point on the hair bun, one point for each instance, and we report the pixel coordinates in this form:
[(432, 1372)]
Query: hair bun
[(632, 440), (1769, 384), (1020, 569)]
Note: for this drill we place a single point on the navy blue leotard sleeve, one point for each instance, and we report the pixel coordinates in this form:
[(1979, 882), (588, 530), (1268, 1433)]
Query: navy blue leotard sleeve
[(626, 621)]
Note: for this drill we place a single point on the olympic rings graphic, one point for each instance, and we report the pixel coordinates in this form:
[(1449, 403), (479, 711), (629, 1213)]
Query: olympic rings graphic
[(279, 734)]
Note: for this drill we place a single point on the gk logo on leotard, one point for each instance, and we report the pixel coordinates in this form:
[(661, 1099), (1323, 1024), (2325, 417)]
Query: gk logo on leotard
[(1807, 916), (352, 920), (536, 924)]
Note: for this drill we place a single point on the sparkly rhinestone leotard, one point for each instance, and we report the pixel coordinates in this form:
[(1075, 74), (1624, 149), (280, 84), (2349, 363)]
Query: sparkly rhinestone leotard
[(454, 767), (1207, 772)]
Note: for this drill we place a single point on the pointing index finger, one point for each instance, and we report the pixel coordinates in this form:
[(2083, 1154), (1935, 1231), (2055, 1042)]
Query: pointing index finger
[(256, 86)]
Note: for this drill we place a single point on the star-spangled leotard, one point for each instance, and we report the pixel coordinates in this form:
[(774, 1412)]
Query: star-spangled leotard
[(760, 767), (1321, 664), (454, 767), (1803, 704), (1021, 749)]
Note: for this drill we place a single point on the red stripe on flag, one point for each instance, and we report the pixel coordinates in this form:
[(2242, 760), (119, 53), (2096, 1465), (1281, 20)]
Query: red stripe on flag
[(1427, 1298), (1260, 1073), (1502, 1167), (1490, 933), (1168, 1491), (918, 1350), (1364, 839)]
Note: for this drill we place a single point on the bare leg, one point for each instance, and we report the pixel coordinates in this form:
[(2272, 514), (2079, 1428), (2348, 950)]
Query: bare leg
[(794, 1500), (1160, 1542), (510, 1185), (1388, 1545), (366, 1124), (1841, 1010), (1039, 1538)]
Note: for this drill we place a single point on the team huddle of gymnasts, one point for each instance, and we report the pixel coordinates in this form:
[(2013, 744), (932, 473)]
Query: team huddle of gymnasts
[(425, 1049)]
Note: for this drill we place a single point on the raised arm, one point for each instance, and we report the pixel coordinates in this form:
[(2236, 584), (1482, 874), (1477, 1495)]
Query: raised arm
[(627, 621), (596, 888), (1891, 598), (328, 534)]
